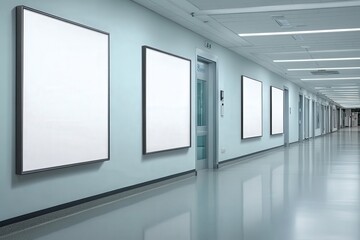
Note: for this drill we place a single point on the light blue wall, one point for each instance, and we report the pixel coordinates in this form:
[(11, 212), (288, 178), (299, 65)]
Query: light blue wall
[(231, 69), (130, 26)]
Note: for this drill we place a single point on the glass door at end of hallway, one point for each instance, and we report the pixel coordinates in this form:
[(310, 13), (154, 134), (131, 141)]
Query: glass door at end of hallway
[(201, 115)]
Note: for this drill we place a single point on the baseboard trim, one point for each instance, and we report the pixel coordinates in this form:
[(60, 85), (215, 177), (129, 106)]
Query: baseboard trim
[(245, 157), (126, 191)]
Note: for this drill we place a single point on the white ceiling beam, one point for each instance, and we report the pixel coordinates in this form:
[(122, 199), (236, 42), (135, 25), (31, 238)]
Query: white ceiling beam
[(278, 8)]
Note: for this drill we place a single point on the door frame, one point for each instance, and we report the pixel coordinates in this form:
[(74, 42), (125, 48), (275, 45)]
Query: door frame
[(301, 116), (213, 131), (313, 118), (286, 117), (306, 109)]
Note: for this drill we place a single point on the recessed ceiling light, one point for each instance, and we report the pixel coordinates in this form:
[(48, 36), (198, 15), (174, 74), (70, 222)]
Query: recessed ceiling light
[(341, 30), (329, 79), (340, 99), (340, 95), (340, 90), (316, 60), (337, 87), (327, 93), (344, 96), (319, 69)]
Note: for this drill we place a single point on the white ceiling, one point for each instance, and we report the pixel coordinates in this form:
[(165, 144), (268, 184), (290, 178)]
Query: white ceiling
[(222, 21)]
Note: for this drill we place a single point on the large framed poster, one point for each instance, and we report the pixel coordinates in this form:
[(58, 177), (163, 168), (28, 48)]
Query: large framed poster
[(251, 108), (276, 111), (62, 92), (166, 101)]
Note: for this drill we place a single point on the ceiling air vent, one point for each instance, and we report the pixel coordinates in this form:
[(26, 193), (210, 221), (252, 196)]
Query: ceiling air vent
[(324, 72), (282, 21)]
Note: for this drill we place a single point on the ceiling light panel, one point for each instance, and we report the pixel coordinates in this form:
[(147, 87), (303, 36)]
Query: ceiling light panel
[(320, 69), (316, 60), (330, 79), (338, 87), (299, 32)]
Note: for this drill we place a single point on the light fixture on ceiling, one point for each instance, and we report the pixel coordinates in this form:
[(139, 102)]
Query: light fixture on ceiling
[(325, 68), (316, 60), (338, 87), (340, 99), (342, 95), (341, 30), (346, 99), (330, 79), (340, 90)]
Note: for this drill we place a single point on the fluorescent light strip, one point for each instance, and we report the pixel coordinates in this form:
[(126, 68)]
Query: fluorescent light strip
[(320, 69), (335, 87), (341, 30), (343, 94), (338, 96), (351, 100), (341, 97), (329, 79), (316, 60), (346, 98), (338, 90)]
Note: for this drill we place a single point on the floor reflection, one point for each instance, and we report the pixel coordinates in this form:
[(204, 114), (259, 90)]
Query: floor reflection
[(180, 227), (252, 207), (307, 191)]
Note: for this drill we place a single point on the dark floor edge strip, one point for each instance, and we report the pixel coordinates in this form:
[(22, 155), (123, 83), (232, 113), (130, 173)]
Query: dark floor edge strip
[(89, 199), (242, 158), (238, 159)]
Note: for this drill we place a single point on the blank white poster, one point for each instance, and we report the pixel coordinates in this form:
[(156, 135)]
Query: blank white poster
[(167, 101), (277, 111), (64, 93), (251, 92)]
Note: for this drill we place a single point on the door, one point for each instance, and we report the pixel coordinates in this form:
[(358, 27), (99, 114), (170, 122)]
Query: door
[(205, 114), (331, 111), (306, 118), (322, 119), (301, 126), (328, 117), (313, 119), (286, 117), (354, 118)]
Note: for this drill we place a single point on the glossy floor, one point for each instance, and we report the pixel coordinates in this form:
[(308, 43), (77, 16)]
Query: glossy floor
[(307, 191)]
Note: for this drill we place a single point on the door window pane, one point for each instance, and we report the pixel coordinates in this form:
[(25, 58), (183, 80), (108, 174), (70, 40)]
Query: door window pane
[(201, 147), (201, 103)]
